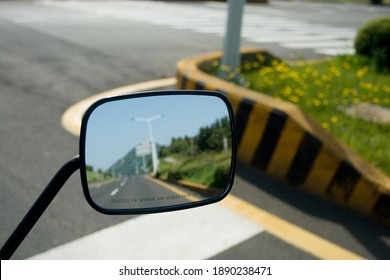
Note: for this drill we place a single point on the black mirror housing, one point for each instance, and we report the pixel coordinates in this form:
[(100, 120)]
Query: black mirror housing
[(157, 151)]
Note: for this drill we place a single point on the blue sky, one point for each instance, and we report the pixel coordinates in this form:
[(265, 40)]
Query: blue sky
[(112, 131)]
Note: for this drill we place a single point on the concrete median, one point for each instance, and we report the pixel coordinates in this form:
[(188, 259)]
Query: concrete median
[(276, 137)]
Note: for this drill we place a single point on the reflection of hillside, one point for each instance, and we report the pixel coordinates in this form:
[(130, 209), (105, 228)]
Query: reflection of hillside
[(208, 169), (203, 159), (130, 165)]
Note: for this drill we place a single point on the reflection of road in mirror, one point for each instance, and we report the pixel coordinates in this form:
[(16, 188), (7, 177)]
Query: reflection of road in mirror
[(184, 157), (140, 192)]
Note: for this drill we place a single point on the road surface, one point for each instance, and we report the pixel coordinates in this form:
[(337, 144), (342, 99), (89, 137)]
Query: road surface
[(56, 53)]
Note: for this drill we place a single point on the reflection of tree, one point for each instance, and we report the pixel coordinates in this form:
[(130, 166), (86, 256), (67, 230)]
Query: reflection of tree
[(215, 137), (99, 175), (204, 158)]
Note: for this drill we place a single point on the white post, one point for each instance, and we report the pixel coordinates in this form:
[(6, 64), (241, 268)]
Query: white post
[(155, 161), (231, 54)]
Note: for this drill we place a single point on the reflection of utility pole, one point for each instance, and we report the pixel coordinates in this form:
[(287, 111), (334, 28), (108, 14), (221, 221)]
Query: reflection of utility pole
[(152, 142), (136, 167)]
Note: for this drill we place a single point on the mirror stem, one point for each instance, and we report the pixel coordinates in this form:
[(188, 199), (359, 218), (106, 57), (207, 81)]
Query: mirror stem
[(39, 207)]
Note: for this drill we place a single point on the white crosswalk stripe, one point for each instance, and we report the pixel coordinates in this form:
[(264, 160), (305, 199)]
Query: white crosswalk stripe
[(198, 233), (261, 24)]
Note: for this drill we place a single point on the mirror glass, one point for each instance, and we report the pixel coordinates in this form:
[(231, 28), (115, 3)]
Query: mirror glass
[(157, 150)]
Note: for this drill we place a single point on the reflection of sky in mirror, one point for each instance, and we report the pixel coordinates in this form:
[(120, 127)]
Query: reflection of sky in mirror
[(113, 132)]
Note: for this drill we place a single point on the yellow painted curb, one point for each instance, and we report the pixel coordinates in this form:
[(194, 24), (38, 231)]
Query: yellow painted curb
[(288, 232), (278, 138), (71, 119)]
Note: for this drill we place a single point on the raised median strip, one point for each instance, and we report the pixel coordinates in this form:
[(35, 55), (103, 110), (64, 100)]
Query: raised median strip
[(276, 137)]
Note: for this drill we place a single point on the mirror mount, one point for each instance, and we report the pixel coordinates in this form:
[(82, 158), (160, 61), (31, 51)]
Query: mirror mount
[(214, 142), (39, 207)]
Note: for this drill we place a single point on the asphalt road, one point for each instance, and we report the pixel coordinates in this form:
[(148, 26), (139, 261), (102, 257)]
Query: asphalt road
[(54, 54), (140, 192)]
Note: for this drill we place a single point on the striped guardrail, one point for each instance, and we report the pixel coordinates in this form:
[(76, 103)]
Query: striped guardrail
[(276, 137)]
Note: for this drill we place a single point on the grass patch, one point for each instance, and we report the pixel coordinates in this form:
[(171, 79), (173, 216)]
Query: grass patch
[(203, 168), (323, 90)]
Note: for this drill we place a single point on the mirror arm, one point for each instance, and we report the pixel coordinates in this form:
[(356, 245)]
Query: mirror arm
[(39, 207)]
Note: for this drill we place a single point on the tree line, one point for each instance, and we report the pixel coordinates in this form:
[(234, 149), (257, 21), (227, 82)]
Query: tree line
[(215, 137)]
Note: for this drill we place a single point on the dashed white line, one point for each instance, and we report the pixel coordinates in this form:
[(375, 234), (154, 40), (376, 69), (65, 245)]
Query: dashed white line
[(114, 192)]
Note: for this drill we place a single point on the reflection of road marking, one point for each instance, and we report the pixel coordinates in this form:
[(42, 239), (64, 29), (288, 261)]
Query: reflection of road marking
[(114, 192), (124, 181), (288, 232), (172, 188)]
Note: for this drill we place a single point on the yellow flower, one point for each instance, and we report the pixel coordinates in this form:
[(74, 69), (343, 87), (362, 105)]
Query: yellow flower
[(226, 68), (260, 58), (325, 125), (317, 102), (334, 71), (294, 99), (275, 62), (334, 119), (346, 65), (232, 75), (299, 92), (366, 85), (345, 92), (321, 95), (287, 90), (361, 72)]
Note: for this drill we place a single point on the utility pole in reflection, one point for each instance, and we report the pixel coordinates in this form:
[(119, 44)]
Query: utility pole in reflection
[(152, 142)]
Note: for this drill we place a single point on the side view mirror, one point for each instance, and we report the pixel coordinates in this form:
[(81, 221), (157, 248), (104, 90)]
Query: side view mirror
[(146, 153), (157, 151)]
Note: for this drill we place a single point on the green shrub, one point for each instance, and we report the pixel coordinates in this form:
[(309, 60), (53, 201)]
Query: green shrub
[(373, 40), (221, 177)]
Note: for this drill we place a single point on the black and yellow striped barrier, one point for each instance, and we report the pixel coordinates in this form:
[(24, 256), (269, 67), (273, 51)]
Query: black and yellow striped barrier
[(276, 137)]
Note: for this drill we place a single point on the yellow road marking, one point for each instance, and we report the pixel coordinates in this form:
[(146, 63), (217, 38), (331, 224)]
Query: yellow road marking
[(71, 119), (172, 188), (288, 232)]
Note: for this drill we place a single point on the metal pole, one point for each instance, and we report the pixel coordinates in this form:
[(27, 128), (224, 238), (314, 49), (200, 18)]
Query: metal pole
[(231, 55), (39, 207), (155, 161)]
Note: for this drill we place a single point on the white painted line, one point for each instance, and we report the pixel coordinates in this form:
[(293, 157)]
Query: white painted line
[(124, 181), (334, 52), (114, 192), (319, 44), (287, 37), (198, 233)]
